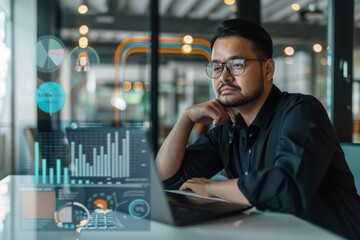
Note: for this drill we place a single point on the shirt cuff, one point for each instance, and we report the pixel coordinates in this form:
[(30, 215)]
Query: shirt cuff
[(173, 182)]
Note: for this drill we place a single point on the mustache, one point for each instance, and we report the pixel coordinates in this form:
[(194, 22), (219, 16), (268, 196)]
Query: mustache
[(228, 85)]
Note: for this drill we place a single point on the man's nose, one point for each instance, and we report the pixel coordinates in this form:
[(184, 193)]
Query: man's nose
[(226, 76)]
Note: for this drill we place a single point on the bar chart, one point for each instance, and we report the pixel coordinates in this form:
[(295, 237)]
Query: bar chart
[(96, 156)]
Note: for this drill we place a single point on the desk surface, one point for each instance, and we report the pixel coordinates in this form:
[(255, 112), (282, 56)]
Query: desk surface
[(253, 225)]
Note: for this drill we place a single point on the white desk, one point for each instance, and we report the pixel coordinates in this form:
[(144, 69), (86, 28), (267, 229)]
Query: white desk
[(256, 225)]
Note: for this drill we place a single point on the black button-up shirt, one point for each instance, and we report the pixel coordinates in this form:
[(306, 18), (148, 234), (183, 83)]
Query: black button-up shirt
[(289, 160)]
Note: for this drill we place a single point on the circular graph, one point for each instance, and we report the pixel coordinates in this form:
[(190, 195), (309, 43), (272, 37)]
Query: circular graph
[(50, 53), (70, 215), (139, 208), (50, 97)]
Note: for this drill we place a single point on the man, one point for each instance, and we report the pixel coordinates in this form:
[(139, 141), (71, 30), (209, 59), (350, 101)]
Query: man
[(279, 150)]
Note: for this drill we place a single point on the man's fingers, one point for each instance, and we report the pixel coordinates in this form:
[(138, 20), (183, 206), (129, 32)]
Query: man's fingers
[(187, 185), (183, 187), (212, 111), (228, 111), (220, 115)]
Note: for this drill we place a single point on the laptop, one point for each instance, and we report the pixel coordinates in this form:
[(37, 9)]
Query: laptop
[(184, 209)]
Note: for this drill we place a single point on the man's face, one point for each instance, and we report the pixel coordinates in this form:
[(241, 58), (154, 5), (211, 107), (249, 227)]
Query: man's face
[(235, 91)]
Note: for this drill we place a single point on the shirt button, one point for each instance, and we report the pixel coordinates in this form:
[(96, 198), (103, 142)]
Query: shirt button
[(246, 173), (250, 135), (249, 151)]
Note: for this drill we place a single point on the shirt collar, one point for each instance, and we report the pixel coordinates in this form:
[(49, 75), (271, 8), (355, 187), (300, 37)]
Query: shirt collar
[(268, 109)]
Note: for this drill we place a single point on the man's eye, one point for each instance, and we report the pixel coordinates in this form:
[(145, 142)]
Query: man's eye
[(237, 65), (217, 68)]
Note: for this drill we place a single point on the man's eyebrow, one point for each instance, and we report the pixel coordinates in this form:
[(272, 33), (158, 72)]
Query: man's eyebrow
[(230, 58)]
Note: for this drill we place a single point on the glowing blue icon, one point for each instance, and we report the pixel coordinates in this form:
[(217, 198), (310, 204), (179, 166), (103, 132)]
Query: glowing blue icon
[(50, 97), (139, 208)]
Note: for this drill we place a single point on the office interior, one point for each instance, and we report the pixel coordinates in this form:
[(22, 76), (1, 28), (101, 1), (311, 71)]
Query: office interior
[(316, 51), (141, 63)]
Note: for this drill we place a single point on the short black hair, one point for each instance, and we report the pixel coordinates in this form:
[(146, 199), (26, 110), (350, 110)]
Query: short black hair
[(262, 42)]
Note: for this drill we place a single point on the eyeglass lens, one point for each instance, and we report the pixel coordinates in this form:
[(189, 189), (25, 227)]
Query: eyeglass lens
[(235, 66)]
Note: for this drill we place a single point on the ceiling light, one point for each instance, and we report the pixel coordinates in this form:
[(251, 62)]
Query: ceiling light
[(186, 49), (188, 39), (296, 7), (83, 29), (127, 86), (138, 86), (317, 47), (83, 42), (82, 9), (229, 2), (289, 51)]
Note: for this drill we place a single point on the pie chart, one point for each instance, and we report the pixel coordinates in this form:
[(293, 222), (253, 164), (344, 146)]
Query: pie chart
[(50, 97), (49, 53)]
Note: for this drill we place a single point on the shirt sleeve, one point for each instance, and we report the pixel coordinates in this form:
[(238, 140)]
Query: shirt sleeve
[(303, 154), (202, 159)]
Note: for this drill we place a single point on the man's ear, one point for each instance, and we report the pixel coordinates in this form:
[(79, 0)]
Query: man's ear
[(269, 69)]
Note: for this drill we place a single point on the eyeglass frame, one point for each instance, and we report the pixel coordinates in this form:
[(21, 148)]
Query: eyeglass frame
[(227, 67)]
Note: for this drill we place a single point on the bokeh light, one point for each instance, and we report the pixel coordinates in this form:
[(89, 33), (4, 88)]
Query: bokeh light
[(289, 51), (186, 49), (138, 86), (229, 2), (317, 47), (83, 42), (83, 29), (82, 9), (127, 86), (296, 7), (188, 39)]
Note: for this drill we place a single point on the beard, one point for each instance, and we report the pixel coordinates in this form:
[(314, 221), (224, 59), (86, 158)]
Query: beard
[(241, 99)]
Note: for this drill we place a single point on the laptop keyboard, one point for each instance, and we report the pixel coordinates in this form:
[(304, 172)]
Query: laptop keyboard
[(101, 219)]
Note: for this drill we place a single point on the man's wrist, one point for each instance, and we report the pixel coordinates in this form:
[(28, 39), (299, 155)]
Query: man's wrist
[(185, 119), (211, 188)]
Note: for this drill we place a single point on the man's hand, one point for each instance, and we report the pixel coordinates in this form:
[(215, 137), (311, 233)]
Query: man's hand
[(210, 112), (226, 189), (198, 185)]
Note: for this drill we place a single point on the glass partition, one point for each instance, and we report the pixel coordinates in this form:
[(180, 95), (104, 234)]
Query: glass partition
[(6, 94)]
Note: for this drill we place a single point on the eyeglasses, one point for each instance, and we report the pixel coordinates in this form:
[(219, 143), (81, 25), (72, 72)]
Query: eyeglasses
[(235, 66)]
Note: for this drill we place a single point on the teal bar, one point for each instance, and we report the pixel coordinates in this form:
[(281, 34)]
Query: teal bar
[(36, 170), (44, 171), (80, 182), (51, 172), (66, 175), (58, 171), (72, 181), (87, 182)]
